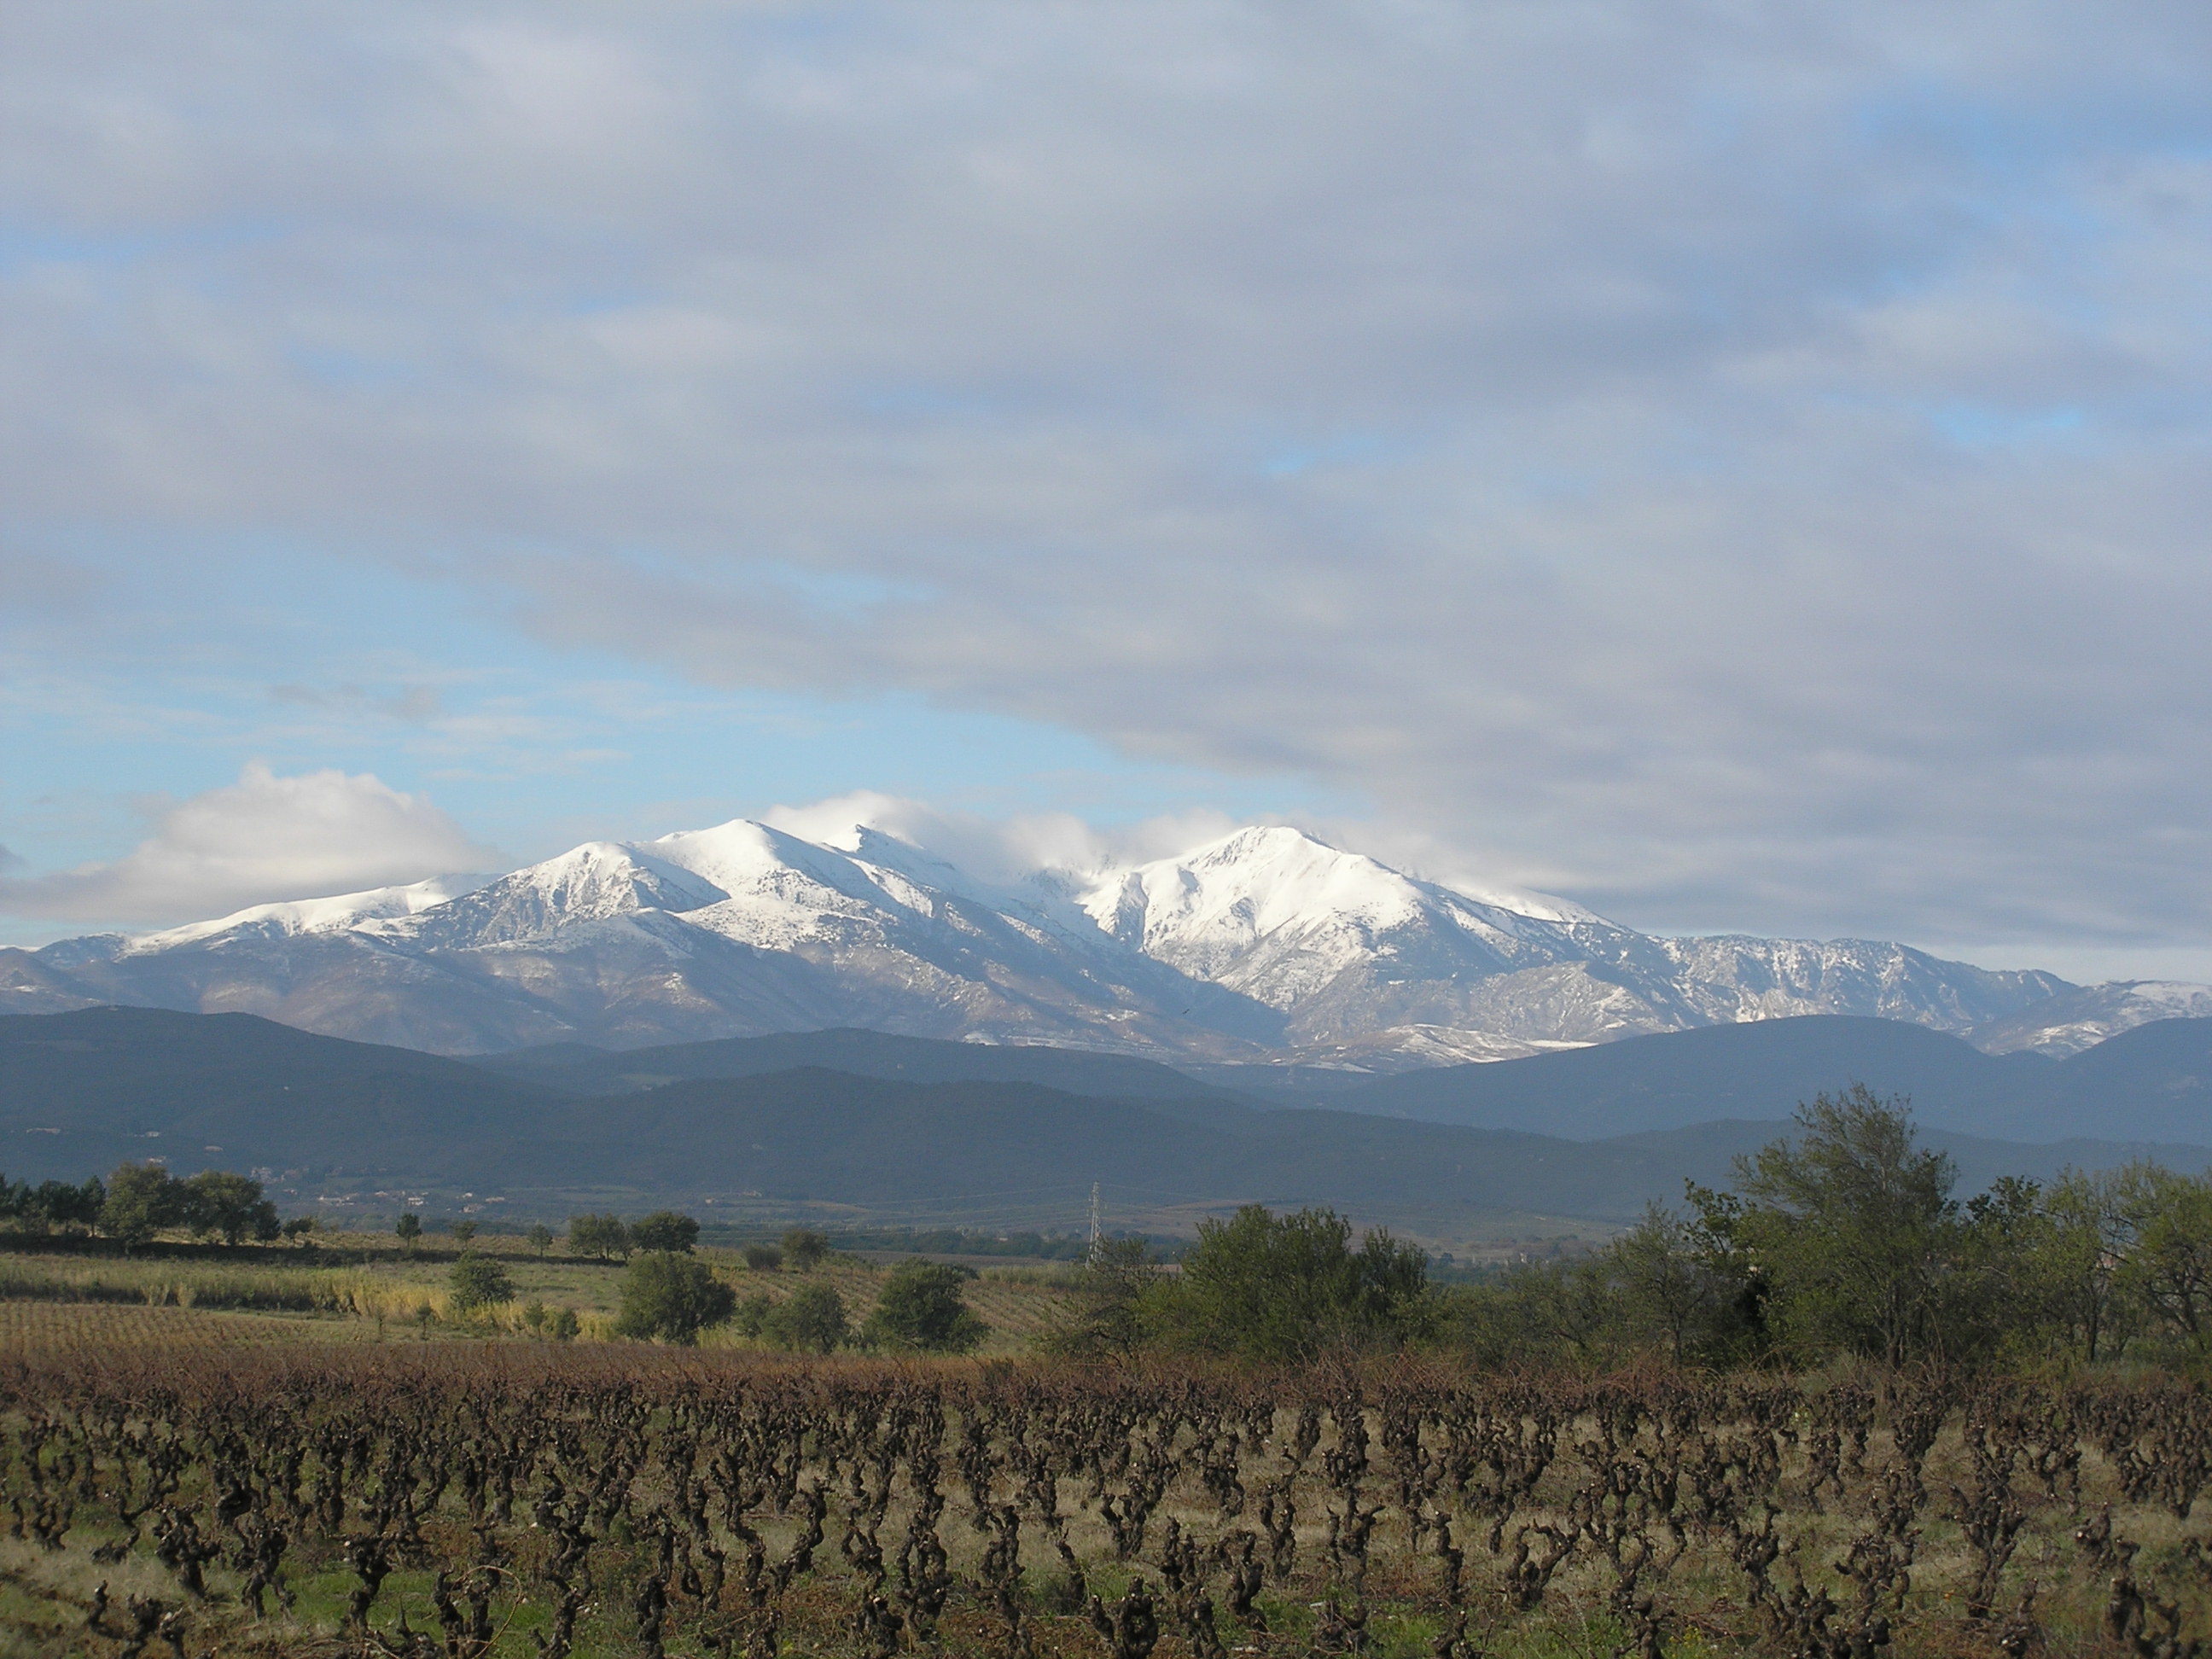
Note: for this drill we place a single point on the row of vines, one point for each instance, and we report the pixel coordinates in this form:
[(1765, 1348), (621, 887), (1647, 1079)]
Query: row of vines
[(489, 1502)]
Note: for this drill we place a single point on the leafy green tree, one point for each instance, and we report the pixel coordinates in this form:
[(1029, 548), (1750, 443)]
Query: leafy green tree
[(602, 1236), (216, 1201), (665, 1230), (1557, 1311), (141, 1199), (409, 1228), (479, 1281), (763, 1258), (751, 1316), (1111, 1289), (463, 1231), (1679, 1285), (2169, 1267), (1292, 1286), (671, 1297), (921, 1309), (1853, 1229), (811, 1319), (52, 1204), (541, 1238), (2089, 1230), (805, 1246)]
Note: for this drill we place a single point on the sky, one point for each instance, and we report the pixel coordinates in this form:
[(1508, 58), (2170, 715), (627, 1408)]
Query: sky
[(1741, 467)]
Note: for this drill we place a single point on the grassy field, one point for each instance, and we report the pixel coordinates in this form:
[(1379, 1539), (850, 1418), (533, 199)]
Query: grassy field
[(353, 1287)]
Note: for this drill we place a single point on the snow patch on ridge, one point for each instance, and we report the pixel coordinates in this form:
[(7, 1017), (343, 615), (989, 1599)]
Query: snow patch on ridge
[(318, 915)]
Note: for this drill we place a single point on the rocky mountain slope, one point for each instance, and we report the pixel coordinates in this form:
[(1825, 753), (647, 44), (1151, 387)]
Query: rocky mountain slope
[(1265, 945)]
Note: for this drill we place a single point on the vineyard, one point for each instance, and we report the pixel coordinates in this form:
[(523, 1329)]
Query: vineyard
[(509, 1499)]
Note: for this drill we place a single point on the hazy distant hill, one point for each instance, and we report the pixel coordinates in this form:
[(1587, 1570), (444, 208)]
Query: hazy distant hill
[(81, 1091), (576, 1068), (2151, 1083)]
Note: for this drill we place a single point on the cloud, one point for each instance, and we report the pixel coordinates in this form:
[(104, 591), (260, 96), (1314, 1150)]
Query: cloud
[(262, 839), (1006, 850), (1742, 468)]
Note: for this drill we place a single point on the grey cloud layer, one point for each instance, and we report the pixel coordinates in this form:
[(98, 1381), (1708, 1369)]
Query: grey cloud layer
[(1745, 467)]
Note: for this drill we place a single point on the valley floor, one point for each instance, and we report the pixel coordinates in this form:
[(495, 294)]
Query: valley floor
[(354, 1288)]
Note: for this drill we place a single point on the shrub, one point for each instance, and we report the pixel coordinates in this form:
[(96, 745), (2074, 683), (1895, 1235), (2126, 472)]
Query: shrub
[(671, 1297), (811, 1321), (479, 1282), (805, 1246), (665, 1230), (464, 1231), (921, 1309), (763, 1258), (564, 1324)]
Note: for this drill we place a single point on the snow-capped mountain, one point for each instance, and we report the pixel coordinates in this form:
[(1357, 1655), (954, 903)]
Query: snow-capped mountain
[(1264, 944), (2081, 1018)]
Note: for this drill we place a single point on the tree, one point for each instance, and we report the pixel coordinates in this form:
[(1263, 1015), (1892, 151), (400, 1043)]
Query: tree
[(1111, 1289), (1677, 1282), (921, 1309), (1854, 1227), (564, 1326), (52, 1204), (601, 1236), (811, 1319), (1292, 1286), (805, 1246), (464, 1231), (478, 1281), (216, 1201), (763, 1258), (140, 1200), (671, 1297), (541, 1238), (1564, 1309), (2090, 1227), (409, 1228), (2169, 1266), (665, 1230)]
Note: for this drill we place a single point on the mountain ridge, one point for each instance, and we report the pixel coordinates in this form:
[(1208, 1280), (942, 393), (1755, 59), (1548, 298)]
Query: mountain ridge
[(1265, 946)]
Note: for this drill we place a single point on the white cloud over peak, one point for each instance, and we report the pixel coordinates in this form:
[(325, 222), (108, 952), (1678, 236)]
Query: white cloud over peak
[(262, 839), (994, 849)]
